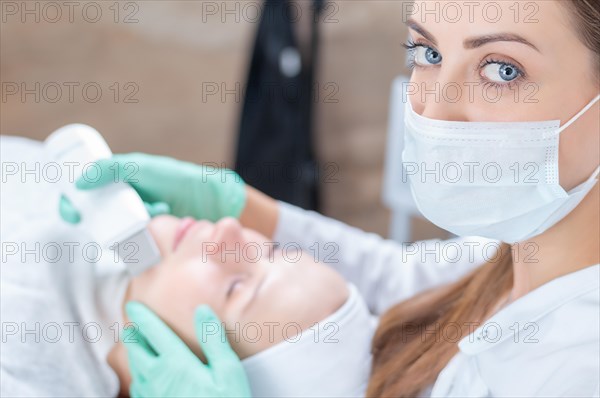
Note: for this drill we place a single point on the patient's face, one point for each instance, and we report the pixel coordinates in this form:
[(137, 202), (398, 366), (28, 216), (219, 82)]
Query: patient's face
[(262, 294)]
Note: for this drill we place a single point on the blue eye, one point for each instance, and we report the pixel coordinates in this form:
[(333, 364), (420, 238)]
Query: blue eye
[(426, 56), (422, 55), (432, 56), (501, 72)]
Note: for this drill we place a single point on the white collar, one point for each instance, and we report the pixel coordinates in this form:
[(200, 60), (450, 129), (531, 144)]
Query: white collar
[(530, 308)]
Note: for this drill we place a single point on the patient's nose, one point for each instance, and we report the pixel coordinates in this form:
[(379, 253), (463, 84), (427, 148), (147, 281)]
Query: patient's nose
[(233, 249), (228, 229)]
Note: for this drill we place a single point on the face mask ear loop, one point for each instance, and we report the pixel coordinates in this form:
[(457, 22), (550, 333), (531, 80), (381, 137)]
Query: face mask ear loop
[(581, 112), (595, 175)]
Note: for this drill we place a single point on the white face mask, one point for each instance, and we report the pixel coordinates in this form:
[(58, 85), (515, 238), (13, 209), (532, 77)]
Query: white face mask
[(497, 180)]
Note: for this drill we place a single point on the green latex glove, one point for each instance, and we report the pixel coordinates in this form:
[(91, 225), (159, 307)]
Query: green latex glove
[(162, 365), (168, 185)]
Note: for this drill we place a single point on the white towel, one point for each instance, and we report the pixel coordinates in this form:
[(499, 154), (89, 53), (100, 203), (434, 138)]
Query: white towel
[(54, 302), (330, 359)]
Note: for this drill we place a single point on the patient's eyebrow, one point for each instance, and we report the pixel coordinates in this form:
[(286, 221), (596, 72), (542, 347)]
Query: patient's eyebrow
[(474, 42)]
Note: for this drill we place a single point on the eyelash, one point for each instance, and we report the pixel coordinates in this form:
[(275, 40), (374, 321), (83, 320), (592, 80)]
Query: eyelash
[(411, 46), (232, 286)]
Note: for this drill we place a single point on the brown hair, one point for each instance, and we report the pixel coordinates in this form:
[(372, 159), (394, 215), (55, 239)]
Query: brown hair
[(585, 16), (416, 338)]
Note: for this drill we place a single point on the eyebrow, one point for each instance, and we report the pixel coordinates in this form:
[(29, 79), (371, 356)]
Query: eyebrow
[(475, 42)]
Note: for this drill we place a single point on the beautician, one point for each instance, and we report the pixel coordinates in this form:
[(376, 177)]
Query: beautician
[(527, 324)]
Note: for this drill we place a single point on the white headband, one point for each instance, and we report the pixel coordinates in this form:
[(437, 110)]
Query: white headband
[(333, 362)]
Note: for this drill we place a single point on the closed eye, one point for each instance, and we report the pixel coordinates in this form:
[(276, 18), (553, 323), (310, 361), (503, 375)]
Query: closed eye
[(236, 283)]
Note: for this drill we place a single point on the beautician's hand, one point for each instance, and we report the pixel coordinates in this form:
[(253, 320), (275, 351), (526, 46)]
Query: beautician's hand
[(168, 185), (162, 365)]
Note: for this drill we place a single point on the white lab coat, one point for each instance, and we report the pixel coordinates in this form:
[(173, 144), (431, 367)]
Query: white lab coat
[(543, 344)]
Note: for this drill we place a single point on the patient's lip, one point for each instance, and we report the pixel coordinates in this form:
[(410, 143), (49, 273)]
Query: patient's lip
[(184, 226)]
